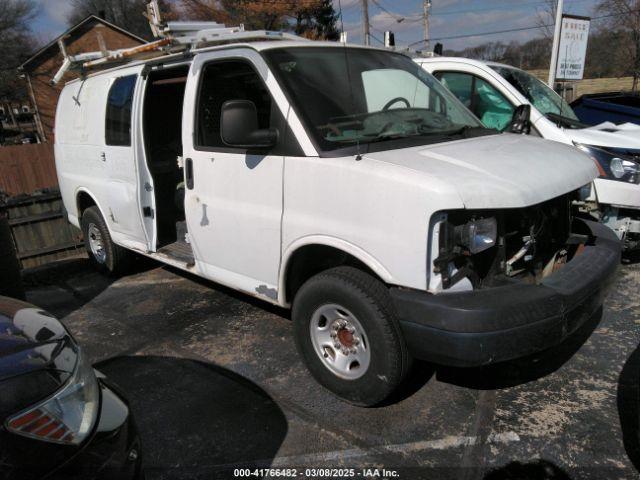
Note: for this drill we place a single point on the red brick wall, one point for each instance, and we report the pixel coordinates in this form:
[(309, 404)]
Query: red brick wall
[(46, 96)]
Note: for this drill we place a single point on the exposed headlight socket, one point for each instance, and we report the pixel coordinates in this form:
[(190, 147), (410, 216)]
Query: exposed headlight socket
[(459, 242), (477, 235)]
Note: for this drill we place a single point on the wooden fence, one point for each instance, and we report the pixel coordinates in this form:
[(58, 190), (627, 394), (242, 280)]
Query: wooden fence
[(27, 168), (40, 231)]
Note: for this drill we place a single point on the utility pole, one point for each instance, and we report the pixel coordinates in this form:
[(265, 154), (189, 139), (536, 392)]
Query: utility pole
[(426, 5), (556, 45), (365, 22)]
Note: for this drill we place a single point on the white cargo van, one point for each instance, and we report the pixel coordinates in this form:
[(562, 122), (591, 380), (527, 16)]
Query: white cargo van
[(347, 184), (493, 91)]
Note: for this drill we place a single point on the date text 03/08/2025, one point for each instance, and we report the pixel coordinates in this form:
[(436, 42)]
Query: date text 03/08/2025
[(316, 473)]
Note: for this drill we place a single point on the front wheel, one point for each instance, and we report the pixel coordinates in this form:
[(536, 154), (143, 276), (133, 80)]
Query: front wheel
[(348, 335)]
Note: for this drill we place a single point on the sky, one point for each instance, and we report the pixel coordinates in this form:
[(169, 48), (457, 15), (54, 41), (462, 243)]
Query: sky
[(448, 18)]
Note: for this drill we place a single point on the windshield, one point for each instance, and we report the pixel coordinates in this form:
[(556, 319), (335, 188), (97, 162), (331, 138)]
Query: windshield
[(538, 93), (381, 97)]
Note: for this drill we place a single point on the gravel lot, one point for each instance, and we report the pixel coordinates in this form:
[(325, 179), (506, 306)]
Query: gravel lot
[(214, 382)]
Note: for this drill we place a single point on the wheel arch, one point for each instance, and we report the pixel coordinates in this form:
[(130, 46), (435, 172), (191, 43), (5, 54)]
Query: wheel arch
[(85, 199), (311, 255)]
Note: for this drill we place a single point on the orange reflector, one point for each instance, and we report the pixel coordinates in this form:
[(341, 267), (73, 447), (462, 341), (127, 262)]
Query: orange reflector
[(600, 169), (33, 426), (25, 419)]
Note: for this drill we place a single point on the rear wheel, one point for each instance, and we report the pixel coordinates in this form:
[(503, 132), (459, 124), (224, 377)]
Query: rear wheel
[(103, 253), (347, 333)]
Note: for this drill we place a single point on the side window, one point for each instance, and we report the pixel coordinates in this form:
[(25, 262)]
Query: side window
[(223, 81), (491, 107), (118, 120), (484, 100), (460, 84)]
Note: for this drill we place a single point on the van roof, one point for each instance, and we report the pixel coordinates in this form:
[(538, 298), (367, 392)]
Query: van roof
[(259, 46)]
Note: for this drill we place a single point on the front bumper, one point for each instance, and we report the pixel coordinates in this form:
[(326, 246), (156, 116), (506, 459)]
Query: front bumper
[(620, 194), (497, 324)]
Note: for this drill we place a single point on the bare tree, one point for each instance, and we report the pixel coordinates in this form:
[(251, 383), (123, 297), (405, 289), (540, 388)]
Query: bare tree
[(127, 14), (623, 19), (15, 36), (546, 17)]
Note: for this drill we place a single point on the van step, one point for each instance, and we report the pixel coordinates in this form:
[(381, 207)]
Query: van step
[(180, 251)]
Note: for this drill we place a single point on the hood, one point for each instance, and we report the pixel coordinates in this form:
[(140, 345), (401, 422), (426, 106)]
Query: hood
[(37, 355), (499, 171), (31, 339), (608, 134)]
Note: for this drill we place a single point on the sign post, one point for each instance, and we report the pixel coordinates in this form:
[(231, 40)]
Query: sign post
[(572, 49), (556, 42)]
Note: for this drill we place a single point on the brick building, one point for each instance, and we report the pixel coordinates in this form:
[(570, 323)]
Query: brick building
[(43, 65)]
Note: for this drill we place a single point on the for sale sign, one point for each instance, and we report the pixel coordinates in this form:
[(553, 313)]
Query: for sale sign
[(572, 50)]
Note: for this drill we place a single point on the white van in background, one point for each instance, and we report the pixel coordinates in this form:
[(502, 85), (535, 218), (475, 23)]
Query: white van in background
[(347, 184), (492, 91)]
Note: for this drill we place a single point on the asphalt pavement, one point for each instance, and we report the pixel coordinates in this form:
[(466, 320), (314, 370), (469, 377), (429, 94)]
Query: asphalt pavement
[(215, 384)]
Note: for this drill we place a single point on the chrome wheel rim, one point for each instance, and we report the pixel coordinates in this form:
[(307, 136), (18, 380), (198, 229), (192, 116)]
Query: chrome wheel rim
[(340, 341), (96, 244)]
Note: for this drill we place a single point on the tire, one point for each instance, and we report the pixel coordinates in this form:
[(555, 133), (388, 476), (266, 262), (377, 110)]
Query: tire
[(380, 362), (111, 258)]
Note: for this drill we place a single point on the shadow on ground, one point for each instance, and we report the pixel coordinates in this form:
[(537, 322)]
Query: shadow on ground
[(631, 258), (197, 420), (629, 406), (537, 470), (522, 370), (64, 286)]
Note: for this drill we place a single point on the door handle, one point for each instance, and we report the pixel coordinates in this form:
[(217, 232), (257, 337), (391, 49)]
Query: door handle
[(103, 157), (188, 171)]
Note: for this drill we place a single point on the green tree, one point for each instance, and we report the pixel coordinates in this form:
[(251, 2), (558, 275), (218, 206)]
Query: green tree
[(318, 21)]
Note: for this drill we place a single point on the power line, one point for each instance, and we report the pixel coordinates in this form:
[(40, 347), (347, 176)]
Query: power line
[(419, 17), (510, 30), (488, 9)]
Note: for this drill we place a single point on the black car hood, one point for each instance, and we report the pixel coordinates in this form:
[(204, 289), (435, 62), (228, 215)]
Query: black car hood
[(37, 355)]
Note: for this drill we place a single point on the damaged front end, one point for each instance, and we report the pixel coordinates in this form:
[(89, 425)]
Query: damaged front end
[(488, 248), (507, 283)]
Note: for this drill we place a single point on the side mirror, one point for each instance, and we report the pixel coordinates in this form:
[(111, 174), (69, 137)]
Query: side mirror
[(239, 126), (521, 120)]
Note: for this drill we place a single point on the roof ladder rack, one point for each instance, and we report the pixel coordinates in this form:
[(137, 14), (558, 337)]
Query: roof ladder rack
[(173, 37)]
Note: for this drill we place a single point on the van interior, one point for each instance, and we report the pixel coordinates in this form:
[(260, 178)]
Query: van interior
[(162, 124)]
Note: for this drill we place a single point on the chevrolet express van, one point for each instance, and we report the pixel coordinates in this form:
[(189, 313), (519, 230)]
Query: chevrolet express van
[(493, 91), (347, 184)]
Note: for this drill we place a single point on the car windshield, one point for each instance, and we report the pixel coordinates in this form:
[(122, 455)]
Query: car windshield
[(548, 102), (381, 97)]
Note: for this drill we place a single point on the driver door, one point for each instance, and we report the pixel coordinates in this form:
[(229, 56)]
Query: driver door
[(233, 197)]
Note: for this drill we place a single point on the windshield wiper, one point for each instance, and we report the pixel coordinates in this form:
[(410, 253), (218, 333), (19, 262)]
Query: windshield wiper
[(565, 121), (466, 131)]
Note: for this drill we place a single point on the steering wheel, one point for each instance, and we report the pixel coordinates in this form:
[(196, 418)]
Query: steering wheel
[(396, 100)]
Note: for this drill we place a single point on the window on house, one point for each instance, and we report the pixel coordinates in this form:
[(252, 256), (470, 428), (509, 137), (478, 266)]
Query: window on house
[(119, 103)]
